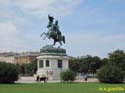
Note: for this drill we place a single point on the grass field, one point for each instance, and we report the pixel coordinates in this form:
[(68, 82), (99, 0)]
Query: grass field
[(62, 88)]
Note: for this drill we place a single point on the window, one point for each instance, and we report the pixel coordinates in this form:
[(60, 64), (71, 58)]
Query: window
[(41, 63), (47, 63), (59, 63)]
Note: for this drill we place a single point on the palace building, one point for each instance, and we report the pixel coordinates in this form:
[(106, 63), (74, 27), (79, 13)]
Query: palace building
[(25, 58)]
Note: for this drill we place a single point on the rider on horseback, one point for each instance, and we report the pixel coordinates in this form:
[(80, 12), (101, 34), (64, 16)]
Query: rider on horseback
[(54, 31), (50, 26), (56, 28), (53, 28)]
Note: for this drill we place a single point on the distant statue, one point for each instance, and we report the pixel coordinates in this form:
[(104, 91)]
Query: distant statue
[(54, 32)]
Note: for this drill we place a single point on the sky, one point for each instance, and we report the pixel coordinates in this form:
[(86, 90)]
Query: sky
[(94, 27)]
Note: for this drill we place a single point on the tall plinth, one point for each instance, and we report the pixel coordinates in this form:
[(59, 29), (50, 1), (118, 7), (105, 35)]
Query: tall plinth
[(52, 62)]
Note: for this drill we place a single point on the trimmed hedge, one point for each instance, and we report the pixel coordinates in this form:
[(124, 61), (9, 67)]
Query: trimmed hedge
[(110, 74), (8, 72), (68, 75)]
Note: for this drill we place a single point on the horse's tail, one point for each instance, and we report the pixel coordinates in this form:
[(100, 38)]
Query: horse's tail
[(63, 38)]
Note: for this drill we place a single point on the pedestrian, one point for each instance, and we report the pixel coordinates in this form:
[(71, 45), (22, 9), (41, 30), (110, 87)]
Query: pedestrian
[(37, 78), (86, 78)]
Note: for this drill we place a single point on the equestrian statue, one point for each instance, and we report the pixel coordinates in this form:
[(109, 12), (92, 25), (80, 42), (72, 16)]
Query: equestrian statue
[(54, 32)]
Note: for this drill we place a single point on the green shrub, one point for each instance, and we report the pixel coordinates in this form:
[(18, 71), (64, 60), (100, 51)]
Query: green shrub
[(110, 74), (8, 72), (68, 75)]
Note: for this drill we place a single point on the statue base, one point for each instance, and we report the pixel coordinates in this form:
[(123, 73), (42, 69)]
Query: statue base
[(50, 50), (52, 62)]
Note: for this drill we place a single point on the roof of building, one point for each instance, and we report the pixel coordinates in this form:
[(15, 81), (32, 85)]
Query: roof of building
[(8, 54), (24, 54)]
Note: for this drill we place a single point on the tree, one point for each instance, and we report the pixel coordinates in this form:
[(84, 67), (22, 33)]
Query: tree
[(98, 61), (105, 61), (95, 64), (85, 64), (90, 64), (93, 67), (118, 58), (8, 72), (74, 64), (68, 75), (110, 74)]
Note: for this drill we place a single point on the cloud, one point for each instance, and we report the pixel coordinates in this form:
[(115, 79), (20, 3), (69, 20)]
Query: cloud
[(20, 26), (84, 43), (15, 15), (25, 9), (111, 1), (4, 1), (9, 37), (43, 7)]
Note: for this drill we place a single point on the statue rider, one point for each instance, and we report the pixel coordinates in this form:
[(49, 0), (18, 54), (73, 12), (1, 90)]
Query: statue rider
[(56, 29), (50, 25), (53, 28)]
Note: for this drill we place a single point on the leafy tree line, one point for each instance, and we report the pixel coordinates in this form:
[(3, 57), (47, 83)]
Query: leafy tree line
[(86, 64), (110, 69)]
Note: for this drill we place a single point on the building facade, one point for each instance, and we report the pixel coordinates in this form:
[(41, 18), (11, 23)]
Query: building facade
[(8, 57), (18, 58), (26, 58)]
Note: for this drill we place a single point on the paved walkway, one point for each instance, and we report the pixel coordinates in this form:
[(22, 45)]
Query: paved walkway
[(33, 80)]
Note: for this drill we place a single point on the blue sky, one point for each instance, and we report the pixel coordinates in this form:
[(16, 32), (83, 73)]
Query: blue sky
[(94, 27)]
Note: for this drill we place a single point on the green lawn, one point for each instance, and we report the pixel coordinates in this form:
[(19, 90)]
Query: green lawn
[(61, 88)]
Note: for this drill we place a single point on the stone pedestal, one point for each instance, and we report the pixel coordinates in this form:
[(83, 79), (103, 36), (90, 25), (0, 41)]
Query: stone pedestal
[(52, 62)]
